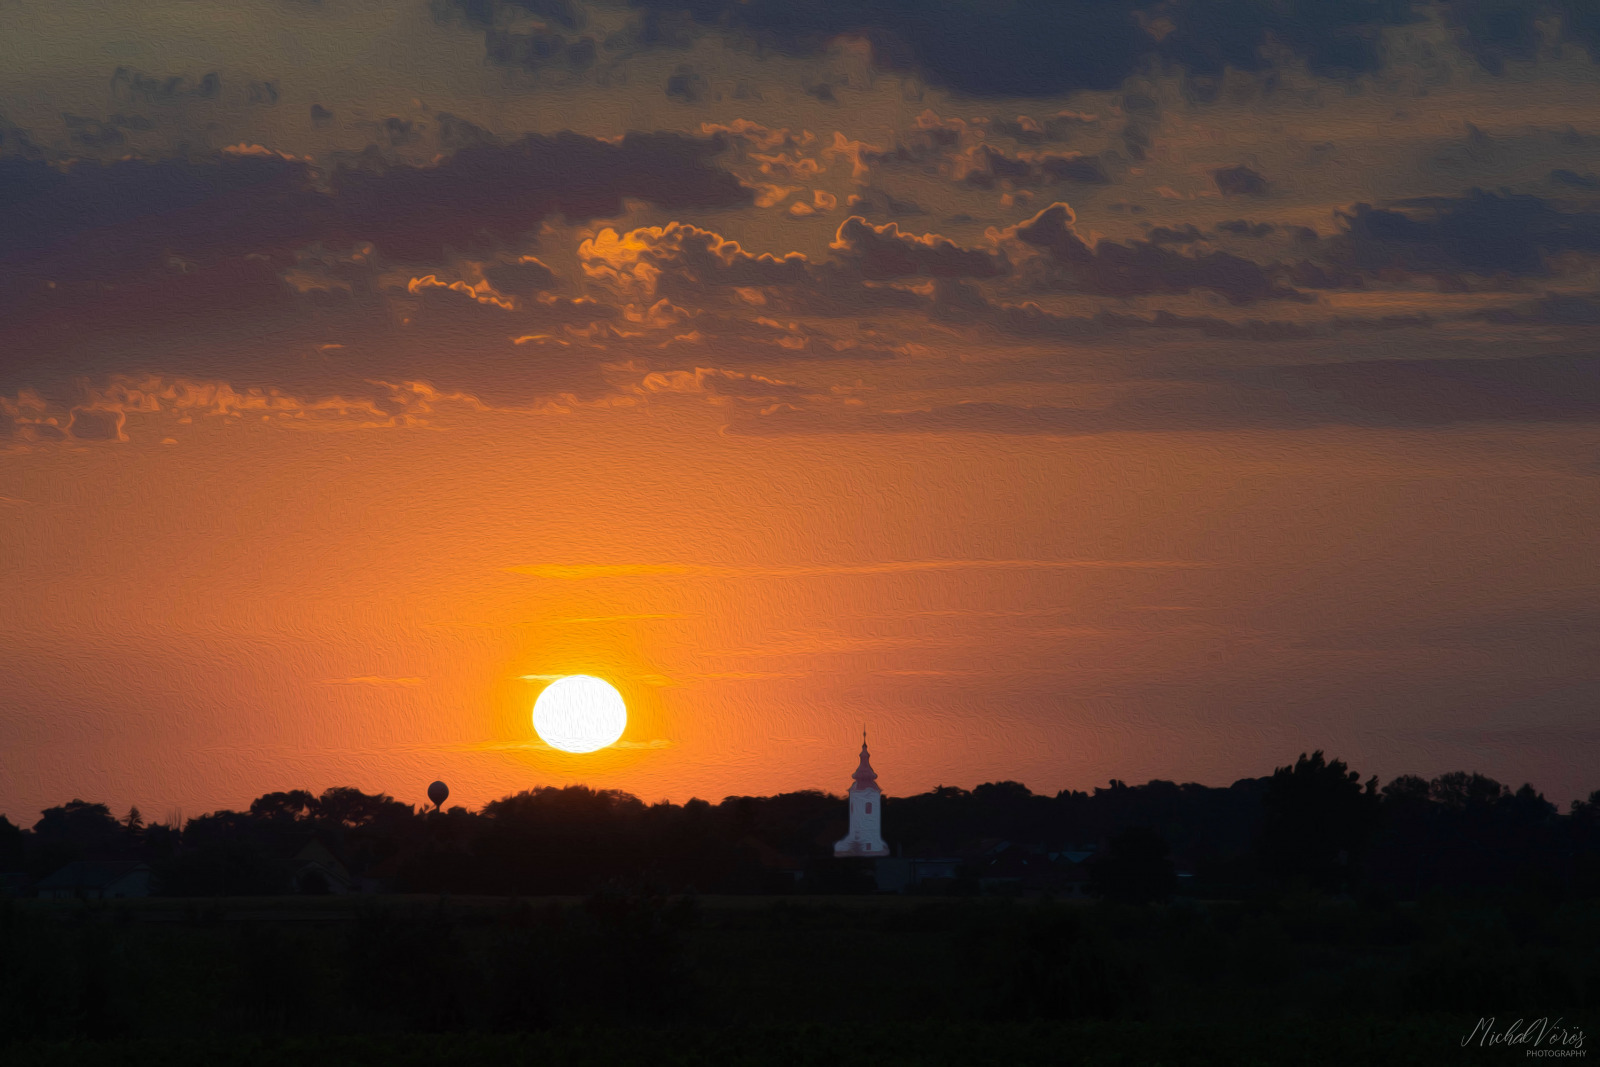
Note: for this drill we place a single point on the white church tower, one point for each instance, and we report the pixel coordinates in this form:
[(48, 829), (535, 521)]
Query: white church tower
[(866, 813)]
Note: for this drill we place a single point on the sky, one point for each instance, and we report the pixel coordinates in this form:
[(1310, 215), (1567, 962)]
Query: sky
[(1059, 391)]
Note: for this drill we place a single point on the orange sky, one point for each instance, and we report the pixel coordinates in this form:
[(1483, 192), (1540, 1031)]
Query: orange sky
[(361, 364), (309, 608)]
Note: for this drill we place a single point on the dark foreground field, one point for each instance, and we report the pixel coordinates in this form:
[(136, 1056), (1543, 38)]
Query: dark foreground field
[(627, 977)]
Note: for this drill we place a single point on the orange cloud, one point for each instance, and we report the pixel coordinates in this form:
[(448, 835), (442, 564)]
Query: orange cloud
[(579, 572)]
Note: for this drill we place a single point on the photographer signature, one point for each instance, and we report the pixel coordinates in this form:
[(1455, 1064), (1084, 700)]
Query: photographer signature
[(1535, 1034)]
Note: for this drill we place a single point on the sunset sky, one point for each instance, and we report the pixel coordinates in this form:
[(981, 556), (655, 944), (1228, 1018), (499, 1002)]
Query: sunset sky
[(1063, 391)]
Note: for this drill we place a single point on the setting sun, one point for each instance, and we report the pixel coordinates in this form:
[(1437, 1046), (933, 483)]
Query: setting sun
[(579, 713)]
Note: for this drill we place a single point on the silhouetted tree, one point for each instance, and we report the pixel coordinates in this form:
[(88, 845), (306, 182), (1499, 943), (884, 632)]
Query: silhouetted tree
[(11, 845), (291, 804), (74, 831), (1316, 821), (1466, 793)]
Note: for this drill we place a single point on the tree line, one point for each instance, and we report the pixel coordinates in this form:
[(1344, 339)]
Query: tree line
[(1312, 824)]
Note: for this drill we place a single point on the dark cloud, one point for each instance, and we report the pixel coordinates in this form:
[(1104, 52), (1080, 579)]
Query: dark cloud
[(1239, 181), (1034, 47), (1499, 31), (1562, 176), (1082, 169), (1375, 394), (136, 86), (92, 133), (550, 39), (1061, 126), (456, 133), (320, 114), (987, 165), (1553, 309), (191, 262), (1308, 274), (93, 218), (265, 93), (882, 202), (15, 142), (539, 49), (1049, 47), (524, 274), (1482, 233), (882, 252), (1245, 228), (686, 85), (397, 132), (1174, 235), (1067, 262), (961, 303), (1031, 47)]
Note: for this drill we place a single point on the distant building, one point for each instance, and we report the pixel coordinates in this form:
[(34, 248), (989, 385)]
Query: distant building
[(866, 813), (316, 872), (97, 880), (898, 874), (780, 863)]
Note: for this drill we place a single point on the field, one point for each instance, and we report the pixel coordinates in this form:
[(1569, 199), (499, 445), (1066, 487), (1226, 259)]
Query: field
[(632, 977)]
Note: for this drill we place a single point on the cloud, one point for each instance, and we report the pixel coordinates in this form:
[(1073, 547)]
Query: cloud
[(1420, 393), (93, 218), (1555, 309), (985, 165), (965, 304), (1067, 262), (102, 258), (530, 34), (1563, 176), (685, 262), (583, 572), (697, 259), (1495, 33), (1061, 126), (1048, 47), (1245, 228), (883, 252), (130, 85), (102, 415), (522, 274), (1481, 233), (1239, 181)]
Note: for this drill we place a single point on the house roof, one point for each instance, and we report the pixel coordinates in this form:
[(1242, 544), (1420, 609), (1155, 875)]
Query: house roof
[(316, 854), (91, 874)]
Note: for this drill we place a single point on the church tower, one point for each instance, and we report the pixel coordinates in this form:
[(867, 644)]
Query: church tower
[(866, 812)]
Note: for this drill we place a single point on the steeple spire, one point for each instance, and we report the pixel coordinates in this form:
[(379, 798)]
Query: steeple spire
[(865, 777)]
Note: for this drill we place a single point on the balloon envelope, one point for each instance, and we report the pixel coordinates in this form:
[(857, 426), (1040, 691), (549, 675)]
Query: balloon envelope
[(438, 792)]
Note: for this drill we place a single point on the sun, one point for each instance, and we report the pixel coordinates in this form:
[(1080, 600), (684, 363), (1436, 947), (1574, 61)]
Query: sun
[(579, 713)]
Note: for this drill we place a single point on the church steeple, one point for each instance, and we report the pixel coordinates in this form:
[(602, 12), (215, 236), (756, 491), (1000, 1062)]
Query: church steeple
[(866, 811)]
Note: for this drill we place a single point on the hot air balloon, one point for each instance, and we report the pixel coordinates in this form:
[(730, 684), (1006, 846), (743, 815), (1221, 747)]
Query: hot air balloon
[(438, 792)]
